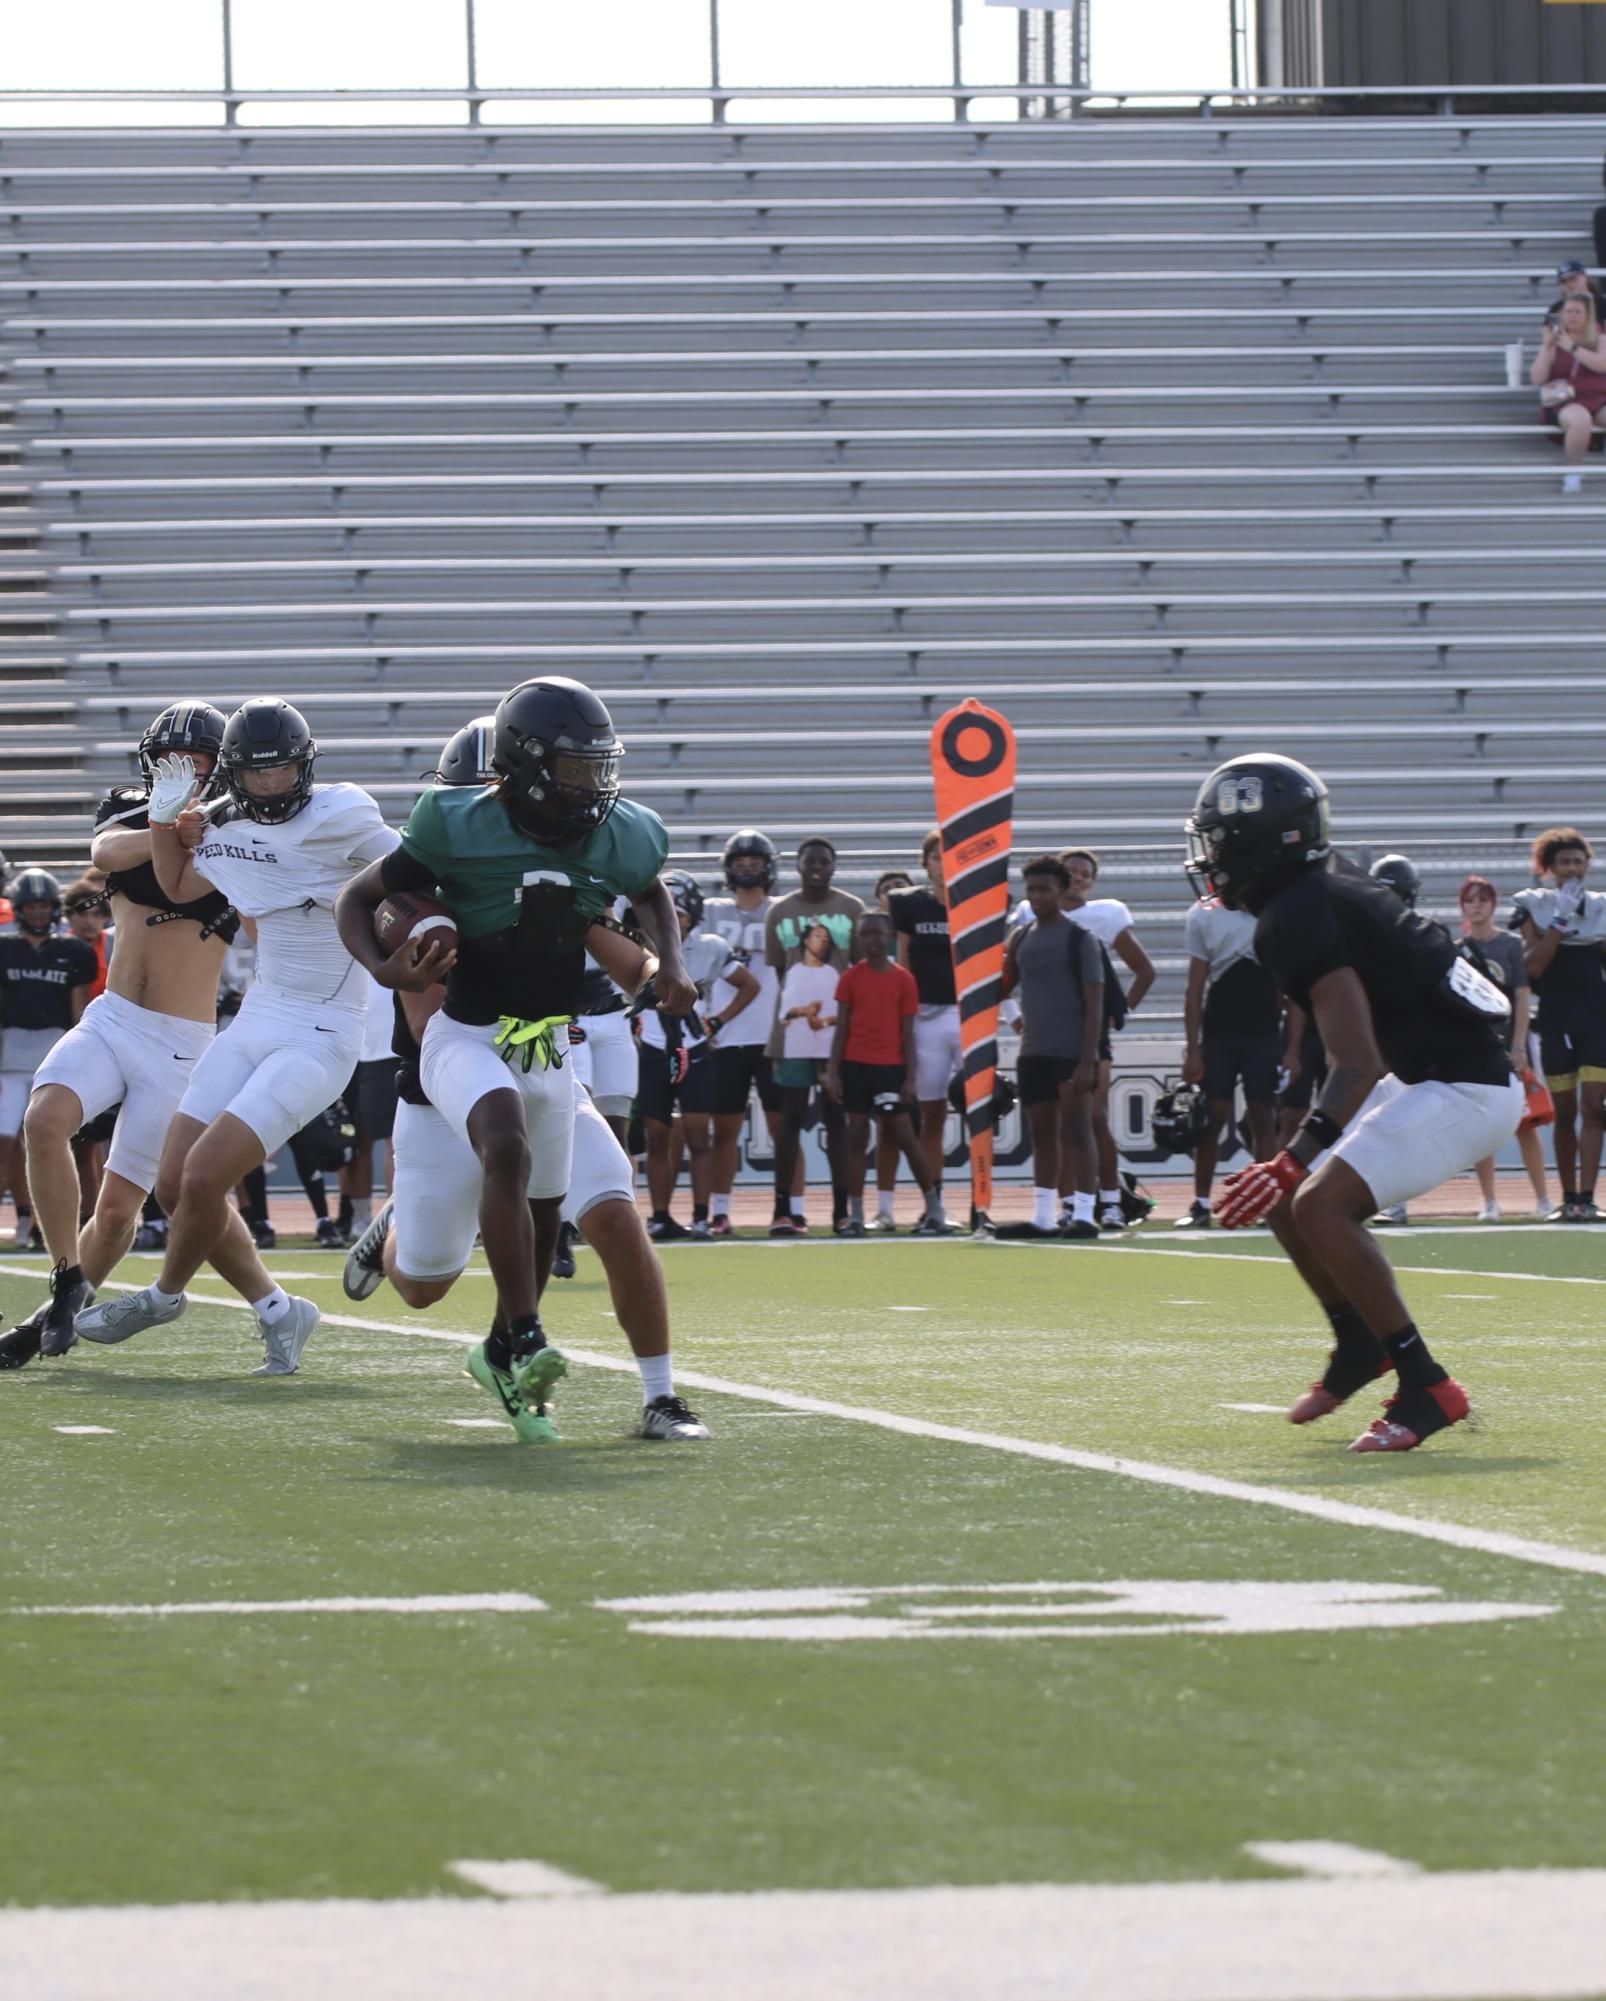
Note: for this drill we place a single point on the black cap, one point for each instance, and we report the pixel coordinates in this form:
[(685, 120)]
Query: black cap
[(1571, 269)]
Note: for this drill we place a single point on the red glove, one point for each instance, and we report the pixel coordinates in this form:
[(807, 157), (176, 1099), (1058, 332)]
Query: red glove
[(1253, 1192)]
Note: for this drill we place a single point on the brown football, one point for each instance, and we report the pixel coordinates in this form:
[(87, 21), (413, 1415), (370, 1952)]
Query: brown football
[(419, 918)]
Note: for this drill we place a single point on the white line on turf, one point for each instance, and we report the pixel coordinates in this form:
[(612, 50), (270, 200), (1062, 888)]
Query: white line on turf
[(525, 1879), (1275, 1409), (1319, 1507), (1329, 1859), (478, 1423), (1276, 1261), (467, 1601), (84, 1430), (1504, 1935)]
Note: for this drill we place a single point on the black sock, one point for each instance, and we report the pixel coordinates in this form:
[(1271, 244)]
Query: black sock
[(1412, 1359), (255, 1185), (1567, 1195), (498, 1351), (1358, 1355), (783, 1207), (525, 1336), (660, 1215), (346, 1214), (699, 1212), (839, 1201)]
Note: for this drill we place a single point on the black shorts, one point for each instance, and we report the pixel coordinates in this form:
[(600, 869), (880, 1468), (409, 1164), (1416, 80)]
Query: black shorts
[(875, 1087), (1254, 1058), (657, 1098), (1038, 1078), (371, 1097), (1566, 1052), (738, 1072)]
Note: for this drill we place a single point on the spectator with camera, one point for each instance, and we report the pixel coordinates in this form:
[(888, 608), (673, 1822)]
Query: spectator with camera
[(1563, 929), (1569, 372)]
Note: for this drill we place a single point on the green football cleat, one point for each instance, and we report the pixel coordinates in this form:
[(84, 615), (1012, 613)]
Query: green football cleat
[(532, 1425), (537, 1376)]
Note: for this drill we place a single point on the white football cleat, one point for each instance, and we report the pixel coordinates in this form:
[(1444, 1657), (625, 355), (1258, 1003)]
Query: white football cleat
[(119, 1319)]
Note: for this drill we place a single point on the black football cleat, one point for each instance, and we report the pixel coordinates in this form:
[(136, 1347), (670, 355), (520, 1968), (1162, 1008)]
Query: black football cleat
[(21, 1346), (68, 1298)]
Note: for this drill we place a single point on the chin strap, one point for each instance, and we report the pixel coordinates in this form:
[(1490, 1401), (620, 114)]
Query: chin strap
[(531, 1044)]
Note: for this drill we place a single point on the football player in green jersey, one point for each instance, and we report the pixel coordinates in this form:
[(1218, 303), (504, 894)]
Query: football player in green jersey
[(525, 865)]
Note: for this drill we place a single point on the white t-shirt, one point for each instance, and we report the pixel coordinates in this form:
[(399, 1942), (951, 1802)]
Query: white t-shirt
[(1104, 916), (805, 983), (287, 875), (1218, 936), (743, 932), (707, 956)]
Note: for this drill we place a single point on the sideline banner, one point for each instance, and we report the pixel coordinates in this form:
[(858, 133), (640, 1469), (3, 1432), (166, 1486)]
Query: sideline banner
[(973, 770)]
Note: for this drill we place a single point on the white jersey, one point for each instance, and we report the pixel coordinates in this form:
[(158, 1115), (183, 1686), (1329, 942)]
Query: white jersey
[(707, 957), (287, 875), (1218, 936), (743, 931), (379, 1024), (1105, 916)]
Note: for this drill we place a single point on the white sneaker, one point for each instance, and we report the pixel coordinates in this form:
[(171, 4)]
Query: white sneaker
[(285, 1338), (1572, 482), (671, 1417), (1489, 1213), (1542, 1209), (131, 1314), (1113, 1217)]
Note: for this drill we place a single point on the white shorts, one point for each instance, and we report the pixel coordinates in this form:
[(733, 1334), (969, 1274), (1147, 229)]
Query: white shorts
[(937, 1052), (124, 1054), (280, 1064), (458, 1065), (22, 1051), (436, 1182), (1408, 1138), (606, 1062)]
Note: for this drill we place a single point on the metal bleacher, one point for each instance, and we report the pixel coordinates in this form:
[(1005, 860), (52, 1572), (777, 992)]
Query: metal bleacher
[(1172, 436)]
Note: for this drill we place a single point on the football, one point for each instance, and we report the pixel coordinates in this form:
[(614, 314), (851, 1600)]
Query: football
[(419, 918)]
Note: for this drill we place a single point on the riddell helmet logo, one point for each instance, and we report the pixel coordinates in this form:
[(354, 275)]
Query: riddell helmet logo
[(976, 850)]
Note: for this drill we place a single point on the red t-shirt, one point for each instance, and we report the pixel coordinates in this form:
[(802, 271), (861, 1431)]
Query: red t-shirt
[(881, 1003)]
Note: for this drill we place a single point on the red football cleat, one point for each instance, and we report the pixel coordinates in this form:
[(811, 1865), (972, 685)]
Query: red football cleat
[(1414, 1415), (1318, 1401)]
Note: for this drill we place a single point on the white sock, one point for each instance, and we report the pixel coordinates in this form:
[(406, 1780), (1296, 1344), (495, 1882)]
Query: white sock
[(362, 1210), (1045, 1201), (797, 1205), (657, 1377), (1081, 1208), (719, 1205), (272, 1306), (1202, 1202), (1109, 1198), (164, 1299), (883, 1201)]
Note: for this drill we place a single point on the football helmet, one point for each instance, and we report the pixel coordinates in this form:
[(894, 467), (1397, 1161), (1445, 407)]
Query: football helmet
[(555, 750), (261, 736), (35, 885), (1004, 1096), (466, 756), (1180, 1119), (1400, 876), (1258, 822), (190, 728), (684, 893), (749, 860)]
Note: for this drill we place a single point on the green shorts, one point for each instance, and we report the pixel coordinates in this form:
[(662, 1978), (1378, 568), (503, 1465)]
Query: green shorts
[(798, 1073)]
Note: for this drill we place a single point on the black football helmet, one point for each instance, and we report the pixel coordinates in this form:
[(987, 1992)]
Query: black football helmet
[(1003, 1101), (1258, 822), (466, 758), (555, 750), (684, 892), (749, 860), (184, 728), (35, 885), (1400, 876), (261, 736), (1180, 1119)]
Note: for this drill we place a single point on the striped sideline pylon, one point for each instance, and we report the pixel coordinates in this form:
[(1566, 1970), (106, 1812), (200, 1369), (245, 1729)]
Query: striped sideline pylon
[(973, 769)]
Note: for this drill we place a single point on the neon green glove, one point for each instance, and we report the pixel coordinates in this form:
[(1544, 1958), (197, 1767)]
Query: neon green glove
[(531, 1044)]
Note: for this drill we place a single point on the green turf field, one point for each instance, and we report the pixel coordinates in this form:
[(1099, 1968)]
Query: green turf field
[(904, 1435)]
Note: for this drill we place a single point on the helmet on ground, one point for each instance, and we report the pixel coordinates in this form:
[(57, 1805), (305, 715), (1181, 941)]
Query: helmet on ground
[(749, 860), (267, 734), (1003, 1102), (466, 755), (557, 755), (1259, 822)]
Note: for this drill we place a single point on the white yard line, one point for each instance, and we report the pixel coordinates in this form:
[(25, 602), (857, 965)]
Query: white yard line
[(1260, 1409), (1518, 1935), (469, 1601), (1275, 1257), (84, 1430), (525, 1879), (1318, 1507), (1328, 1859)]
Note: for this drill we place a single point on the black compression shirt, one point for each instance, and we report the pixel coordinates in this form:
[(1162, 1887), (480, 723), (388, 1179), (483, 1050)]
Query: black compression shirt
[(1329, 918), (124, 806), (922, 917)]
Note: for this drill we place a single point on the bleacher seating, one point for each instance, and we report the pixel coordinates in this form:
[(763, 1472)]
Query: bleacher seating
[(1173, 436)]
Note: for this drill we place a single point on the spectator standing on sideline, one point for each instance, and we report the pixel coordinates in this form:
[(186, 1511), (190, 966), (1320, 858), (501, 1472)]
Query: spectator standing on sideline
[(1059, 968), (89, 912), (1569, 372), (1499, 954), (806, 1022), (1563, 930), (1230, 1016), (872, 1067), (813, 903), (920, 917), (887, 886), (45, 978), (742, 1064)]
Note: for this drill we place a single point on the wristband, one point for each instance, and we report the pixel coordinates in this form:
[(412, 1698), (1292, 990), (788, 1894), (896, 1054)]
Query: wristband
[(1322, 1127), (714, 1023)]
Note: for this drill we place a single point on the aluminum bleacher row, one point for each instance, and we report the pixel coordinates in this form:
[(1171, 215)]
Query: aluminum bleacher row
[(1174, 437)]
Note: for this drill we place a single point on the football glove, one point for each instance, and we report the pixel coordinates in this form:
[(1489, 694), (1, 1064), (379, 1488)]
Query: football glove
[(173, 785), (1254, 1191)]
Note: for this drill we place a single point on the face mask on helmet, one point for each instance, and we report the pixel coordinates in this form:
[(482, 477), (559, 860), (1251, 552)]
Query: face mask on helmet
[(35, 899), (271, 793), (266, 760), (564, 794), (188, 729), (749, 861), (685, 894)]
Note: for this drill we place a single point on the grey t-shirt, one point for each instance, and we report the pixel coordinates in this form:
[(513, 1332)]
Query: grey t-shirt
[(1054, 962), (1503, 954)]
